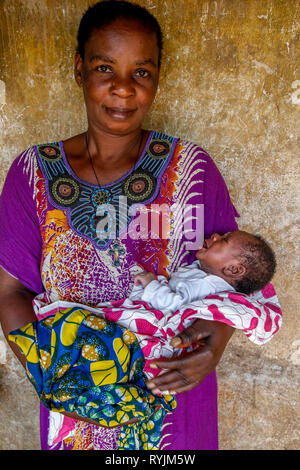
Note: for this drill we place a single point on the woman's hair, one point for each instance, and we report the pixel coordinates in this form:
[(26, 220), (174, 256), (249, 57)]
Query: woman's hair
[(106, 12), (259, 260)]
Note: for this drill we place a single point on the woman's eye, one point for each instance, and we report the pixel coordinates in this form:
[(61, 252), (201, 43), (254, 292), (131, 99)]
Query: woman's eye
[(104, 69), (142, 73)]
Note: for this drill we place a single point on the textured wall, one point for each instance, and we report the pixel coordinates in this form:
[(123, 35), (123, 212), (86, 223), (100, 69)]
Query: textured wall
[(230, 81)]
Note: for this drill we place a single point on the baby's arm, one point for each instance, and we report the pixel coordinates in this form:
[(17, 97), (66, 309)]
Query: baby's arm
[(159, 294), (157, 291), (161, 297)]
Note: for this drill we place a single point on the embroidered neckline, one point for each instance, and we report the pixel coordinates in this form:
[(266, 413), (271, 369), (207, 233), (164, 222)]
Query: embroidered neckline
[(112, 183), (84, 202)]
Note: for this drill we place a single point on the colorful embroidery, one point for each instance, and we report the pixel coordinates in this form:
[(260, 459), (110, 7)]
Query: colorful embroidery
[(140, 186), (159, 148), (81, 200), (65, 191)]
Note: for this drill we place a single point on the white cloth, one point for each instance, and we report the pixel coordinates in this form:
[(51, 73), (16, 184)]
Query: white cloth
[(186, 285)]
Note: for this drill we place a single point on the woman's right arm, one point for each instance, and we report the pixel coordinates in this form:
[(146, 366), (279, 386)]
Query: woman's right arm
[(15, 308)]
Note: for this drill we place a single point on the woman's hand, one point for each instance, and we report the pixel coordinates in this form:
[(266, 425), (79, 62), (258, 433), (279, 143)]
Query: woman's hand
[(188, 370)]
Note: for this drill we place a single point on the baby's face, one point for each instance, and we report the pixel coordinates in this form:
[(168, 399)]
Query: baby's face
[(219, 251)]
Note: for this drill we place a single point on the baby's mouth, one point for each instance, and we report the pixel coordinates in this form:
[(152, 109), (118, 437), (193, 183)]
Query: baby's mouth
[(205, 245)]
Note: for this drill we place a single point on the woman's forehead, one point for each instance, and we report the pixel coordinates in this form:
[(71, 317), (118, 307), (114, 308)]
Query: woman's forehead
[(121, 36), (127, 24)]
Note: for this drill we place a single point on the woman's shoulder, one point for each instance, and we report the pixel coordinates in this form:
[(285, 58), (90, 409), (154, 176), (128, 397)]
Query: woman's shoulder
[(50, 151), (25, 165), (193, 153), (22, 164), (23, 155), (195, 150)]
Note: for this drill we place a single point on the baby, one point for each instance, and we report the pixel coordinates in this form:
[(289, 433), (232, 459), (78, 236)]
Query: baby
[(237, 261)]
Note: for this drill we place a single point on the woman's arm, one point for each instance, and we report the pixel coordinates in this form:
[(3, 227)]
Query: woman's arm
[(15, 309)]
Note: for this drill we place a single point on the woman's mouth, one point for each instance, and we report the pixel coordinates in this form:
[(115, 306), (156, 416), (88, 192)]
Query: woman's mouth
[(120, 113)]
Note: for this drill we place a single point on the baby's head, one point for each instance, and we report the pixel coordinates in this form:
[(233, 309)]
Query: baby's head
[(244, 260)]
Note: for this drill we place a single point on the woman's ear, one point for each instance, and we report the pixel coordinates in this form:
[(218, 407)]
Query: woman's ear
[(234, 271), (78, 69)]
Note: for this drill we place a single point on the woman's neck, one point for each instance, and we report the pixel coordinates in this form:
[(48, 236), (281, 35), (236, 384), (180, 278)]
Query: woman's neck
[(110, 155), (107, 148)]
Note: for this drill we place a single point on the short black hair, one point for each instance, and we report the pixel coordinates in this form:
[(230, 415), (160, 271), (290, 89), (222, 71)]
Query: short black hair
[(259, 260), (107, 11)]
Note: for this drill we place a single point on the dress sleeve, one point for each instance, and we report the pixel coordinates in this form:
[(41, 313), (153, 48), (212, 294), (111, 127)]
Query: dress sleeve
[(20, 238), (219, 212), (259, 315)]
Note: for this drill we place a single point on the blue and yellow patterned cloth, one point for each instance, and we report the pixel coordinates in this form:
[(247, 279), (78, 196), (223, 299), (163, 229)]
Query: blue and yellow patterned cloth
[(81, 363)]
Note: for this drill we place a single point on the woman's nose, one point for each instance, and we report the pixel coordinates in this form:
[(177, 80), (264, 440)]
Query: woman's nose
[(122, 86)]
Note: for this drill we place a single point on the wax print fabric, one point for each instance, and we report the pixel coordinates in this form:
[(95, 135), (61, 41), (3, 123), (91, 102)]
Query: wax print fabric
[(81, 363)]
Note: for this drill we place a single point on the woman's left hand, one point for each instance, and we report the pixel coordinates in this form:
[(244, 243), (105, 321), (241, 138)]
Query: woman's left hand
[(188, 370)]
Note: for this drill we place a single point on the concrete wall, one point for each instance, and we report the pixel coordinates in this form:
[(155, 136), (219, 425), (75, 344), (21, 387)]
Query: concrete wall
[(230, 81)]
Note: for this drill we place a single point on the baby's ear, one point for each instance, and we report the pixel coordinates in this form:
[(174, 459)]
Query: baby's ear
[(234, 271)]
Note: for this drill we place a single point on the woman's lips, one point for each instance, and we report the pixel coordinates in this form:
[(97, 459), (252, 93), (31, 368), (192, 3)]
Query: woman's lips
[(120, 113)]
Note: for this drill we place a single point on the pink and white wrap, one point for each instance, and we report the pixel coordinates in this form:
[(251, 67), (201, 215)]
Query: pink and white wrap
[(259, 320)]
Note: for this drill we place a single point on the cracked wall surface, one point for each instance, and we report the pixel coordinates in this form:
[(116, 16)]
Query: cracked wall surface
[(230, 81)]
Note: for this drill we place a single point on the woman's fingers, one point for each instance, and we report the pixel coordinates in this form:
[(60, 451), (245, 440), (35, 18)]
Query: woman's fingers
[(186, 337), (181, 374), (189, 369), (197, 331)]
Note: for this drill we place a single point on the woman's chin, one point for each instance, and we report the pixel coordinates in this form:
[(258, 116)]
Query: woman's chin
[(120, 126)]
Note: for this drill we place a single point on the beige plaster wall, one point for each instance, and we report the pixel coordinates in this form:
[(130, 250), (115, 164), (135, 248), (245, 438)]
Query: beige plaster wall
[(230, 81)]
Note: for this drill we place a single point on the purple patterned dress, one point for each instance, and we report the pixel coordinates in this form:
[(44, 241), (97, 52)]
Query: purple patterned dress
[(52, 238)]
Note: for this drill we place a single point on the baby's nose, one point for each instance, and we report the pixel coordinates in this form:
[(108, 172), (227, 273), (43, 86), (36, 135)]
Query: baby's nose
[(215, 237)]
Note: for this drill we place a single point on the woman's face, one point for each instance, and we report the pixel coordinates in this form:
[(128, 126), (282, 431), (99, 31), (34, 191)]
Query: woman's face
[(119, 76)]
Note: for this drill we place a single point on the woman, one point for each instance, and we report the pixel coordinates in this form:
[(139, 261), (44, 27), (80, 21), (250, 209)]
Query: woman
[(53, 232)]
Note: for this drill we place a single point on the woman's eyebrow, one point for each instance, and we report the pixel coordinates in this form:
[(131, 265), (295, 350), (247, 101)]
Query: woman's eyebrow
[(103, 58), (146, 62)]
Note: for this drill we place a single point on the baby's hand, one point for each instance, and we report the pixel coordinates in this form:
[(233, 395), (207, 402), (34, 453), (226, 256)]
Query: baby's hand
[(144, 278)]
